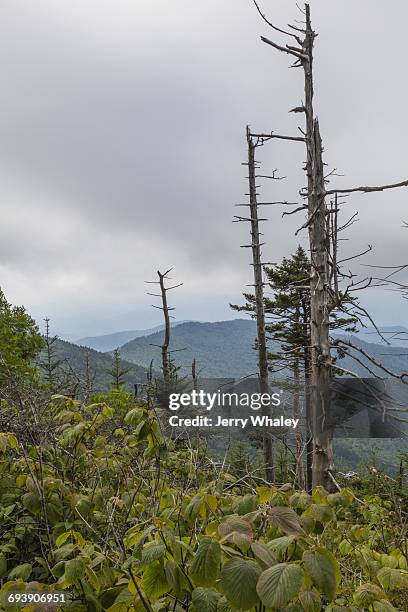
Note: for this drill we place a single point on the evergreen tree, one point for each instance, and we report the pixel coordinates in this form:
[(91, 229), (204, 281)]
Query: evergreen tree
[(117, 372), (50, 363), (288, 313)]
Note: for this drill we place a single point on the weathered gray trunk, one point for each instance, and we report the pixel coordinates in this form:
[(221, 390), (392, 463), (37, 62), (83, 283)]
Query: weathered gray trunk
[(308, 428), (300, 472), (259, 301), (319, 315), (320, 371), (166, 340)]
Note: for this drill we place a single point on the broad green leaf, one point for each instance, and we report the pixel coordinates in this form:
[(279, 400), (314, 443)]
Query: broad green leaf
[(204, 600), (281, 546), (173, 576), (235, 524), (92, 604), (12, 440), (223, 605), (193, 507), (310, 600), (286, 520), (132, 536), (92, 579), (204, 569), (133, 416), (389, 561), (383, 606), (154, 581), (345, 548), (63, 552), (319, 494), (264, 494), (21, 572), (74, 570), (324, 570), (152, 551), (108, 411), (263, 554), (32, 502), (239, 578), (279, 584), (245, 504), (367, 593), (58, 569), (320, 512), (211, 502), (62, 538), (391, 579), (300, 500)]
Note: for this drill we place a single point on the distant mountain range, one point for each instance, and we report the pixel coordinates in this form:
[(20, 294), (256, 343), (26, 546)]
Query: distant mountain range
[(109, 342), (221, 349), (396, 335), (226, 349)]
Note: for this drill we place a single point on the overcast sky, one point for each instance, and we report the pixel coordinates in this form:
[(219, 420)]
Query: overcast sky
[(122, 135)]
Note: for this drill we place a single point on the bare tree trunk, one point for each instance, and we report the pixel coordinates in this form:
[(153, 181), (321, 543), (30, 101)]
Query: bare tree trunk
[(321, 358), (259, 300), (319, 284), (166, 339), (300, 473), (308, 428)]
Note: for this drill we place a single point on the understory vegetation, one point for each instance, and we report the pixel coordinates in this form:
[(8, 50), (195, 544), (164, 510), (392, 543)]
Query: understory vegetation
[(97, 503)]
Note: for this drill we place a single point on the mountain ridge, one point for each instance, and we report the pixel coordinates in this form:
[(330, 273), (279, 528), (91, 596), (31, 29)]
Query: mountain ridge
[(226, 349), (105, 343)]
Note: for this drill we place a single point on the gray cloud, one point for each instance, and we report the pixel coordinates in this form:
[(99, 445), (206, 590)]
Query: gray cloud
[(122, 134)]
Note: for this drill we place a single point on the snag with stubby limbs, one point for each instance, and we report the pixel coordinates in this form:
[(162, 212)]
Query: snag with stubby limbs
[(323, 299)]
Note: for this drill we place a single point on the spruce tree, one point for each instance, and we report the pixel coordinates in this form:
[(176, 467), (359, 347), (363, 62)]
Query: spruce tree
[(288, 314), (50, 363), (117, 372)]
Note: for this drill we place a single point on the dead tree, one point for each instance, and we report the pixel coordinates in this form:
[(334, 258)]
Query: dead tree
[(166, 309), (323, 297), (257, 265), (300, 471)]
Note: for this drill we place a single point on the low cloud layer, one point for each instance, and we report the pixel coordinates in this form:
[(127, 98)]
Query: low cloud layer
[(122, 136)]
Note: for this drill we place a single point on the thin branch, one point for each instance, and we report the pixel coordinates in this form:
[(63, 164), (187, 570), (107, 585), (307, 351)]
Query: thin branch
[(278, 136), (368, 189), (275, 27), (300, 56)]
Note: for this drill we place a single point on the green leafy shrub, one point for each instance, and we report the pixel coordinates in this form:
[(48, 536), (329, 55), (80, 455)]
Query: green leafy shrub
[(94, 501)]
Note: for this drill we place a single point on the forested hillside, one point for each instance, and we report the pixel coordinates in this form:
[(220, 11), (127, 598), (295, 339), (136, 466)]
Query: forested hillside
[(226, 349), (221, 349), (81, 361)]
